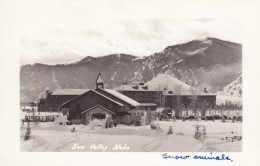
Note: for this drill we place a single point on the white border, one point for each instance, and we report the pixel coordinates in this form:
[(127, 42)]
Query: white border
[(246, 12)]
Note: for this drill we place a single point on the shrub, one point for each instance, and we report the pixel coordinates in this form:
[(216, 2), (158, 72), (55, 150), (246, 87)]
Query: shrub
[(200, 134), (109, 123), (184, 119), (190, 118), (153, 126), (239, 118), (138, 123), (73, 129), (170, 130), (217, 117), (204, 132)]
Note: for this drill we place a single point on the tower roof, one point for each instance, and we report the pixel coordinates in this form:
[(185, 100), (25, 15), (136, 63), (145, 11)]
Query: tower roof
[(99, 82), (99, 79)]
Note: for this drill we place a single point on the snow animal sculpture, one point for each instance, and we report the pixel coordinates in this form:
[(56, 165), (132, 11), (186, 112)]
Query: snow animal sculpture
[(98, 122), (61, 120)]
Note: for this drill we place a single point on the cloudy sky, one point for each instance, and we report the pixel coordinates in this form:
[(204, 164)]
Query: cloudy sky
[(64, 31)]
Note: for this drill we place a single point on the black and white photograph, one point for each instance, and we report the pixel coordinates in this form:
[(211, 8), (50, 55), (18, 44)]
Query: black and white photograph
[(148, 85), (115, 78)]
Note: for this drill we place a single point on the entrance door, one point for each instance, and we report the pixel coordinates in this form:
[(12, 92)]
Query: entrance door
[(98, 116)]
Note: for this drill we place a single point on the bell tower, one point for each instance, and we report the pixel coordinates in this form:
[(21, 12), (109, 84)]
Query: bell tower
[(99, 82)]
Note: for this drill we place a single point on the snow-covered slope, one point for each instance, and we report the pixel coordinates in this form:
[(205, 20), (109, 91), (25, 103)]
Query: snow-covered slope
[(233, 89)]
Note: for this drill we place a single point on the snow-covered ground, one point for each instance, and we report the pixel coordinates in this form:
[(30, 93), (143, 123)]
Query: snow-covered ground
[(47, 137)]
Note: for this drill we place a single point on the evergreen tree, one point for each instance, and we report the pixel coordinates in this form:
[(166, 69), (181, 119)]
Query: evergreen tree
[(204, 132), (197, 134), (28, 132)]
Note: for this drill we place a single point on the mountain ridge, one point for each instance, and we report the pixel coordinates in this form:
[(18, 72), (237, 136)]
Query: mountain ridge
[(211, 63)]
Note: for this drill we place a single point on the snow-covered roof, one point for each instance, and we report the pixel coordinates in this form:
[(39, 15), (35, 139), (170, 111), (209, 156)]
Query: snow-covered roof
[(189, 93), (69, 91), (122, 97), (207, 94), (182, 93), (116, 102), (130, 88), (162, 81), (147, 104), (161, 109)]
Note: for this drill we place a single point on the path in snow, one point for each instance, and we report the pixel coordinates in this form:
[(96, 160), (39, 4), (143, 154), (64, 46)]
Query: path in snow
[(38, 74), (148, 147)]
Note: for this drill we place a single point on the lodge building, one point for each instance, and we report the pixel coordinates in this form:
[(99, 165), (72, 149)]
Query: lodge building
[(166, 98), (82, 105), (141, 93)]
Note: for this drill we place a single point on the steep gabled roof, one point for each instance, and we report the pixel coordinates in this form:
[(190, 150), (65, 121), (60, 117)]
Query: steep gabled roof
[(97, 106), (116, 102), (122, 97), (69, 91)]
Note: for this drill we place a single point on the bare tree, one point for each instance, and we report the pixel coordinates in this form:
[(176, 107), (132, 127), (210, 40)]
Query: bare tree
[(194, 102), (178, 89), (203, 106), (165, 89)]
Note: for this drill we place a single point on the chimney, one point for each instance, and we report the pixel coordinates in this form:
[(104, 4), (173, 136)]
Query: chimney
[(47, 93)]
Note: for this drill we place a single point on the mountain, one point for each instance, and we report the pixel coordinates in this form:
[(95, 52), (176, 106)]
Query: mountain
[(210, 63)]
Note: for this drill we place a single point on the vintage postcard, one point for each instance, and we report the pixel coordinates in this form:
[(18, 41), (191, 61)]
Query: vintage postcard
[(106, 76)]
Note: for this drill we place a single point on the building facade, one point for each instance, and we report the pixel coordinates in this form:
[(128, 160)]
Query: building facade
[(166, 98), (142, 94), (54, 99), (99, 103)]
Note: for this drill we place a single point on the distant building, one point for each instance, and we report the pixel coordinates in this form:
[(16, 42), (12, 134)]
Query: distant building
[(166, 98), (28, 106), (141, 93), (54, 99), (171, 100)]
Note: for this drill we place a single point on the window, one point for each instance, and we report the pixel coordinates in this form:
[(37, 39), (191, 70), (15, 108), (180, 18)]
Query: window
[(110, 106)]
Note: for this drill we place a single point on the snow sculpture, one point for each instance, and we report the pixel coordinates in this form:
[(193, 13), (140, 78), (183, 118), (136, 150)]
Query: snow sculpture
[(98, 122), (61, 120)]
